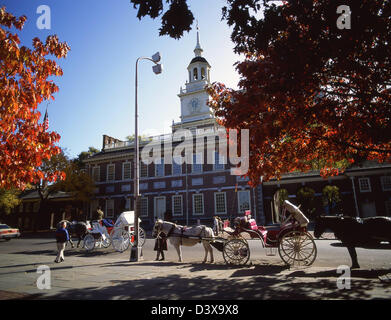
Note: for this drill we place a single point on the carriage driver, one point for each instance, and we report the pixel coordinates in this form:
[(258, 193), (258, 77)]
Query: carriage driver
[(98, 214)]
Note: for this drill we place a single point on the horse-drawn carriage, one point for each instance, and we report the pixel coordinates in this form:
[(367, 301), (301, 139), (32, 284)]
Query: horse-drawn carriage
[(294, 244), (120, 234)]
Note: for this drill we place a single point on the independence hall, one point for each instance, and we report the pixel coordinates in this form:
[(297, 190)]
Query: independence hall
[(189, 192)]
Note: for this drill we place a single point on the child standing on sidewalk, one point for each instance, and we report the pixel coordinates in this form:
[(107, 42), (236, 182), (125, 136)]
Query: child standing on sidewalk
[(62, 236), (160, 245)]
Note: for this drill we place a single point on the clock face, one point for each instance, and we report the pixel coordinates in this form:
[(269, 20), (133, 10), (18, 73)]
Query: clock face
[(194, 105)]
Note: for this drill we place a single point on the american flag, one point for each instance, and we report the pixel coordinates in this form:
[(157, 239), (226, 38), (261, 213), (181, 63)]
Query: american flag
[(46, 120)]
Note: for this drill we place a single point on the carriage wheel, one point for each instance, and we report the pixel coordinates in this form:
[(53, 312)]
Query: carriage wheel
[(107, 242), (236, 251), (89, 242), (120, 240), (297, 248), (239, 236), (141, 236)]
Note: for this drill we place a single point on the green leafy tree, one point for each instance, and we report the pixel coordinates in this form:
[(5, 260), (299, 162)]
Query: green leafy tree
[(142, 138), (76, 181), (175, 20), (79, 161), (305, 197), (278, 201), (9, 199), (331, 198)]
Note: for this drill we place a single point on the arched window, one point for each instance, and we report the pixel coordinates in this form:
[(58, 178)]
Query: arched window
[(203, 73), (195, 74)]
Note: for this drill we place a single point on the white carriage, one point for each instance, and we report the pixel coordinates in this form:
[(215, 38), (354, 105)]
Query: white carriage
[(120, 235)]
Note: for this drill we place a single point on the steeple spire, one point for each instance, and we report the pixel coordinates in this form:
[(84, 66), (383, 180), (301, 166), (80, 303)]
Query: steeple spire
[(198, 50)]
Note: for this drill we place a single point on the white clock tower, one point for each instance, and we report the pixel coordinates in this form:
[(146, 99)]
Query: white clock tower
[(194, 110)]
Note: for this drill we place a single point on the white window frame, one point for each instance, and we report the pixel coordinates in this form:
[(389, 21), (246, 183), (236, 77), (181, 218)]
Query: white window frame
[(249, 197), (143, 186), (141, 171), (126, 188), (197, 181), (216, 165), (174, 163), (196, 155), (225, 202), (159, 162), (159, 184), (123, 170), (145, 200), (177, 196), (203, 206), (96, 173), (386, 185), (176, 183), (110, 201), (111, 165), (155, 206), (360, 186), (128, 203)]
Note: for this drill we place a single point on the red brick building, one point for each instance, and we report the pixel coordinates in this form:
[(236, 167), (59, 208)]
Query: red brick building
[(189, 192), (364, 191)]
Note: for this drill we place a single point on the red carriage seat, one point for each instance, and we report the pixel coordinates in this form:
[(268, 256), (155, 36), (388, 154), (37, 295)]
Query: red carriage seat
[(252, 224)]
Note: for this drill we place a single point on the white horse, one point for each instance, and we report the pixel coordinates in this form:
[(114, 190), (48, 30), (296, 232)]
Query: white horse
[(178, 235)]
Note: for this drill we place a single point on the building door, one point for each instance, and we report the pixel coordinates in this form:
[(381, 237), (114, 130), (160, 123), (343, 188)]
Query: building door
[(368, 209), (160, 207)]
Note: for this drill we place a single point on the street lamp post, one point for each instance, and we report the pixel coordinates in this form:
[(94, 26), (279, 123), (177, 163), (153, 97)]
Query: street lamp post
[(136, 250)]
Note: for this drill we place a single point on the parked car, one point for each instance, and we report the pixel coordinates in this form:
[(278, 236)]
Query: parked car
[(7, 233)]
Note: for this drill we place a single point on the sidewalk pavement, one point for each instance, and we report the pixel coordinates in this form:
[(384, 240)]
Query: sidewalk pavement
[(108, 275)]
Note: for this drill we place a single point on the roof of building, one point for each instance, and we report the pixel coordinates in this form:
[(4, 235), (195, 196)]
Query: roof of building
[(198, 59), (364, 166), (33, 195)]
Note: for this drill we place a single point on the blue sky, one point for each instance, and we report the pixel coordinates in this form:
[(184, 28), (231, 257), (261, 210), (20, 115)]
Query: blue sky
[(96, 94)]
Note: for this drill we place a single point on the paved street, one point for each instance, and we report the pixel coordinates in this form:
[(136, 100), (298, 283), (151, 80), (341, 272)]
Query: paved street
[(106, 274)]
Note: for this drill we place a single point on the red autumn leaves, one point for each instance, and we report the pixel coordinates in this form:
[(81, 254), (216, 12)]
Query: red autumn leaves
[(24, 84), (312, 96)]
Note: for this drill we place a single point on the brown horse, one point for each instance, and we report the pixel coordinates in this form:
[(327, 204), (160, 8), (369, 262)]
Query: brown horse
[(355, 232)]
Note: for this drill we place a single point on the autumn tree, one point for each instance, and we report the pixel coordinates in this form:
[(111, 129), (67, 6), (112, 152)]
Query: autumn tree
[(24, 84), (175, 20), (76, 181), (309, 90)]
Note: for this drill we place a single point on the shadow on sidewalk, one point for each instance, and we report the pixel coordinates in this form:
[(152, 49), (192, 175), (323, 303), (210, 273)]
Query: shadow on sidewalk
[(363, 274), (69, 252), (176, 287)]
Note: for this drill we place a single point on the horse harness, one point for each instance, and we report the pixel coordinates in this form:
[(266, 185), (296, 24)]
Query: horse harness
[(183, 229)]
